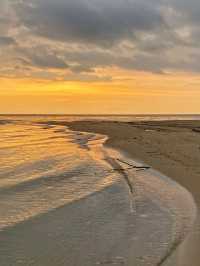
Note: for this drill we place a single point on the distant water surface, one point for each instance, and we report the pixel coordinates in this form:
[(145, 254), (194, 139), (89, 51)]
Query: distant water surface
[(100, 117)]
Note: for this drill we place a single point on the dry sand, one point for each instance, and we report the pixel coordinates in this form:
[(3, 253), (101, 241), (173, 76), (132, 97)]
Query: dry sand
[(173, 148)]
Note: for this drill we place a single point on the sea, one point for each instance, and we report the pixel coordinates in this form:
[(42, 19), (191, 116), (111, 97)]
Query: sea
[(66, 199)]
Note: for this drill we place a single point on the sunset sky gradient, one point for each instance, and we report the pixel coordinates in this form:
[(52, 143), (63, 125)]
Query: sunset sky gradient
[(99, 56)]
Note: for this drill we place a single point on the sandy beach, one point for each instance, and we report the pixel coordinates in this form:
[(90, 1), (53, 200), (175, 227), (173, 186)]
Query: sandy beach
[(68, 200), (171, 147)]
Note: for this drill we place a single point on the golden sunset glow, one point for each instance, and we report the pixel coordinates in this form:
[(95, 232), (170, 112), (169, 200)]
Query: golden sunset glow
[(128, 93)]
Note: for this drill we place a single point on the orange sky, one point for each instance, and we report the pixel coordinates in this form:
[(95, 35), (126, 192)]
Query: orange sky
[(128, 93)]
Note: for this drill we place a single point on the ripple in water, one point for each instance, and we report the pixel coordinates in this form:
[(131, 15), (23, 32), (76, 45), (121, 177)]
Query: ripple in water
[(61, 187)]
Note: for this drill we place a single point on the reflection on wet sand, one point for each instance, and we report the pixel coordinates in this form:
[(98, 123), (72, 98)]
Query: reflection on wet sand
[(66, 199)]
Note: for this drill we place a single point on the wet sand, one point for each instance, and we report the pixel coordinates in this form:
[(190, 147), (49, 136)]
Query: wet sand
[(131, 216), (171, 147)]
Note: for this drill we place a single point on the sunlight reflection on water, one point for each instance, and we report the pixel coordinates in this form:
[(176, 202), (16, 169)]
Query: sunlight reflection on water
[(44, 167)]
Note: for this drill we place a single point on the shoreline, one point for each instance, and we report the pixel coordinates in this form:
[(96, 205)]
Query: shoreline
[(120, 159), (148, 171), (141, 214), (107, 209), (125, 136), (172, 148)]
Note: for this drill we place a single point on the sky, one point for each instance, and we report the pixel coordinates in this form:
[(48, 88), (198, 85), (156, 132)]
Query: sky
[(99, 56)]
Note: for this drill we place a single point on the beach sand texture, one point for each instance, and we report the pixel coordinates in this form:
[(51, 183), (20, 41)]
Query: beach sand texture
[(173, 148), (137, 218)]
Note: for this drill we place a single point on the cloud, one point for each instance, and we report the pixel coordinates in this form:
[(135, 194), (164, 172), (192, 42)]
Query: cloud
[(77, 37), (89, 21), (4, 40), (48, 61), (188, 10)]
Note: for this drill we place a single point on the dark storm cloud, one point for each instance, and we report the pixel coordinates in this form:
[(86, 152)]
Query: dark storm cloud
[(89, 21)]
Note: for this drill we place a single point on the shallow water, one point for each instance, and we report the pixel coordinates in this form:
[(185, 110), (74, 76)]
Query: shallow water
[(42, 168), (63, 188)]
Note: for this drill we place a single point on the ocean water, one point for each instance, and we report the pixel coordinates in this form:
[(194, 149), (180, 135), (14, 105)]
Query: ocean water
[(124, 118), (67, 200)]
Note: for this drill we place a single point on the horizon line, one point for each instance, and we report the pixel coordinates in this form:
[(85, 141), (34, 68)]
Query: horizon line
[(54, 114)]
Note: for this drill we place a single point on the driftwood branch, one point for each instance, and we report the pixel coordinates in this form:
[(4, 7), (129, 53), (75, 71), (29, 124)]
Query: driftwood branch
[(134, 166), (197, 130)]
